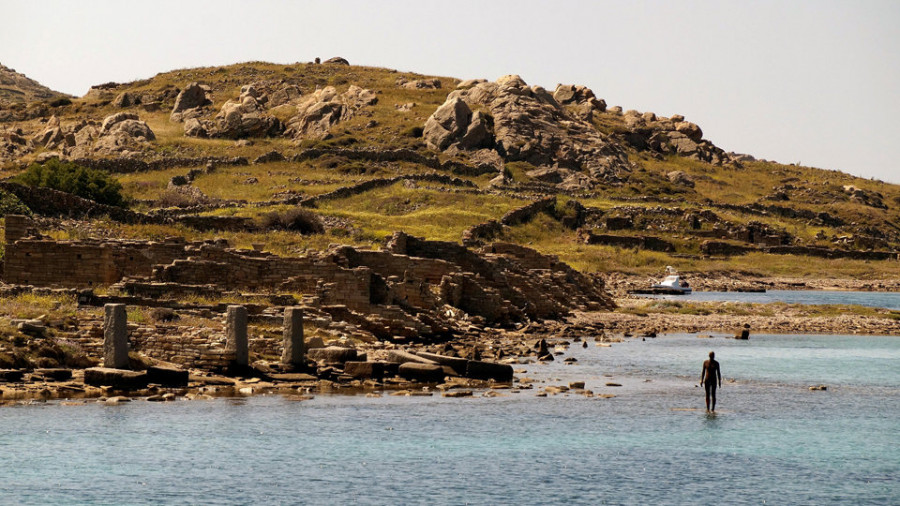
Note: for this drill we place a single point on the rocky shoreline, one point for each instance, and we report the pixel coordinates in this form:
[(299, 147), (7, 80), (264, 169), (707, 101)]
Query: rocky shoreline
[(534, 343), (622, 284)]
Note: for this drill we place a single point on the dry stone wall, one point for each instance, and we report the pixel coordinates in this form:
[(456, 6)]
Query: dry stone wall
[(122, 165), (398, 155), (46, 262)]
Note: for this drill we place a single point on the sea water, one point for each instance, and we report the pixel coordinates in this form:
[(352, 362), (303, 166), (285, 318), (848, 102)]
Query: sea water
[(772, 440), (888, 300)]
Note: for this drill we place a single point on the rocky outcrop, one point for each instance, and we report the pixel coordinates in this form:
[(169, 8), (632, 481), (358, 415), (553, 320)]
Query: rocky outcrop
[(190, 102), (580, 100), (13, 144), (337, 60), (528, 124), (119, 134), (454, 124), (671, 136), (242, 118), (245, 117), (420, 84), (324, 108)]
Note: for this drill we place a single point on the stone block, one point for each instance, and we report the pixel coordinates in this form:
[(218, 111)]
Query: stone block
[(119, 379), (11, 375), (333, 355), (54, 374), (458, 365), (402, 357), (425, 373), (477, 369), (364, 370), (167, 376)]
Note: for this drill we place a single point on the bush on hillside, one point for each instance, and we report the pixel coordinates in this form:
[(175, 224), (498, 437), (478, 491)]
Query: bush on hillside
[(10, 204), (297, 220), (72, 178)]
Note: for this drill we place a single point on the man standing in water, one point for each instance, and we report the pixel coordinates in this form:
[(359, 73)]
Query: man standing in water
[(708, 377)]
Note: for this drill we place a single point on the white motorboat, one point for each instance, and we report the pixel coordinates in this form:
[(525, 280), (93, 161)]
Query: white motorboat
[(672, 283)]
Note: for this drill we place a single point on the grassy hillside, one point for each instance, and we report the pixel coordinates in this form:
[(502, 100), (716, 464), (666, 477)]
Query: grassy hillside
[(861, 214)]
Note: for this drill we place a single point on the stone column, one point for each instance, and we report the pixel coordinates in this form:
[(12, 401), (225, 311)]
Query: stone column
[(115, 336), (294, 348), (236, 334)]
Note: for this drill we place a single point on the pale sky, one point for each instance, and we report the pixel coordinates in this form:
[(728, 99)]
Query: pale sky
[(815, 82)]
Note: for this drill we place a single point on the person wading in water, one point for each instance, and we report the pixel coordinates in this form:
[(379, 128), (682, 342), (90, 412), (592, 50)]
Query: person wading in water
[(708, 377)]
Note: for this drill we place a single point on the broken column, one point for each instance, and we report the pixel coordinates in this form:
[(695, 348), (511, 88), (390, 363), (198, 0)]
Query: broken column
[(294, 348), (115, 336), (236, 334)]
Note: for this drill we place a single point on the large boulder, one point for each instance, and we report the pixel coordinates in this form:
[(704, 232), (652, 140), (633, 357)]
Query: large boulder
[(691, 130), (286, 95), (577, 94), (189, 102), (337, 60), (448, 122), (117, 134), (322, 109), (244, 118)]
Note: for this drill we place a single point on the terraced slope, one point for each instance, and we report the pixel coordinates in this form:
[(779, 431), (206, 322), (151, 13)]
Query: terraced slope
[(633, 192)]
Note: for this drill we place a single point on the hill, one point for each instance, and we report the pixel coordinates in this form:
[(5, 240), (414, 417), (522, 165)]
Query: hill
[(18, 88), (631, 192), (480, 223)]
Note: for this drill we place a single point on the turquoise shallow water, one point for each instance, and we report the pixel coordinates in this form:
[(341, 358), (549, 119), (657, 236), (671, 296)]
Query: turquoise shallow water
[(773, 442)]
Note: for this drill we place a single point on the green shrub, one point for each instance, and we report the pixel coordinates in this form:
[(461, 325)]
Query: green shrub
[(71, 178), (10, 204), (298, 220), (59, 102)]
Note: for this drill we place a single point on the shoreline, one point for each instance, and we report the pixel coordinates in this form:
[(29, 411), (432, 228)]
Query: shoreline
[(513, 347), (620, 284)]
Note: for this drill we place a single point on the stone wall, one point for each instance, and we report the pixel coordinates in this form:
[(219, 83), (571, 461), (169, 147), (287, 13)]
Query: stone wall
[(401, 291), (720, 248), (46, 262), (129, 165), (49, 202), (397, 155), (487, 231), (628, 241), (357, 189)]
